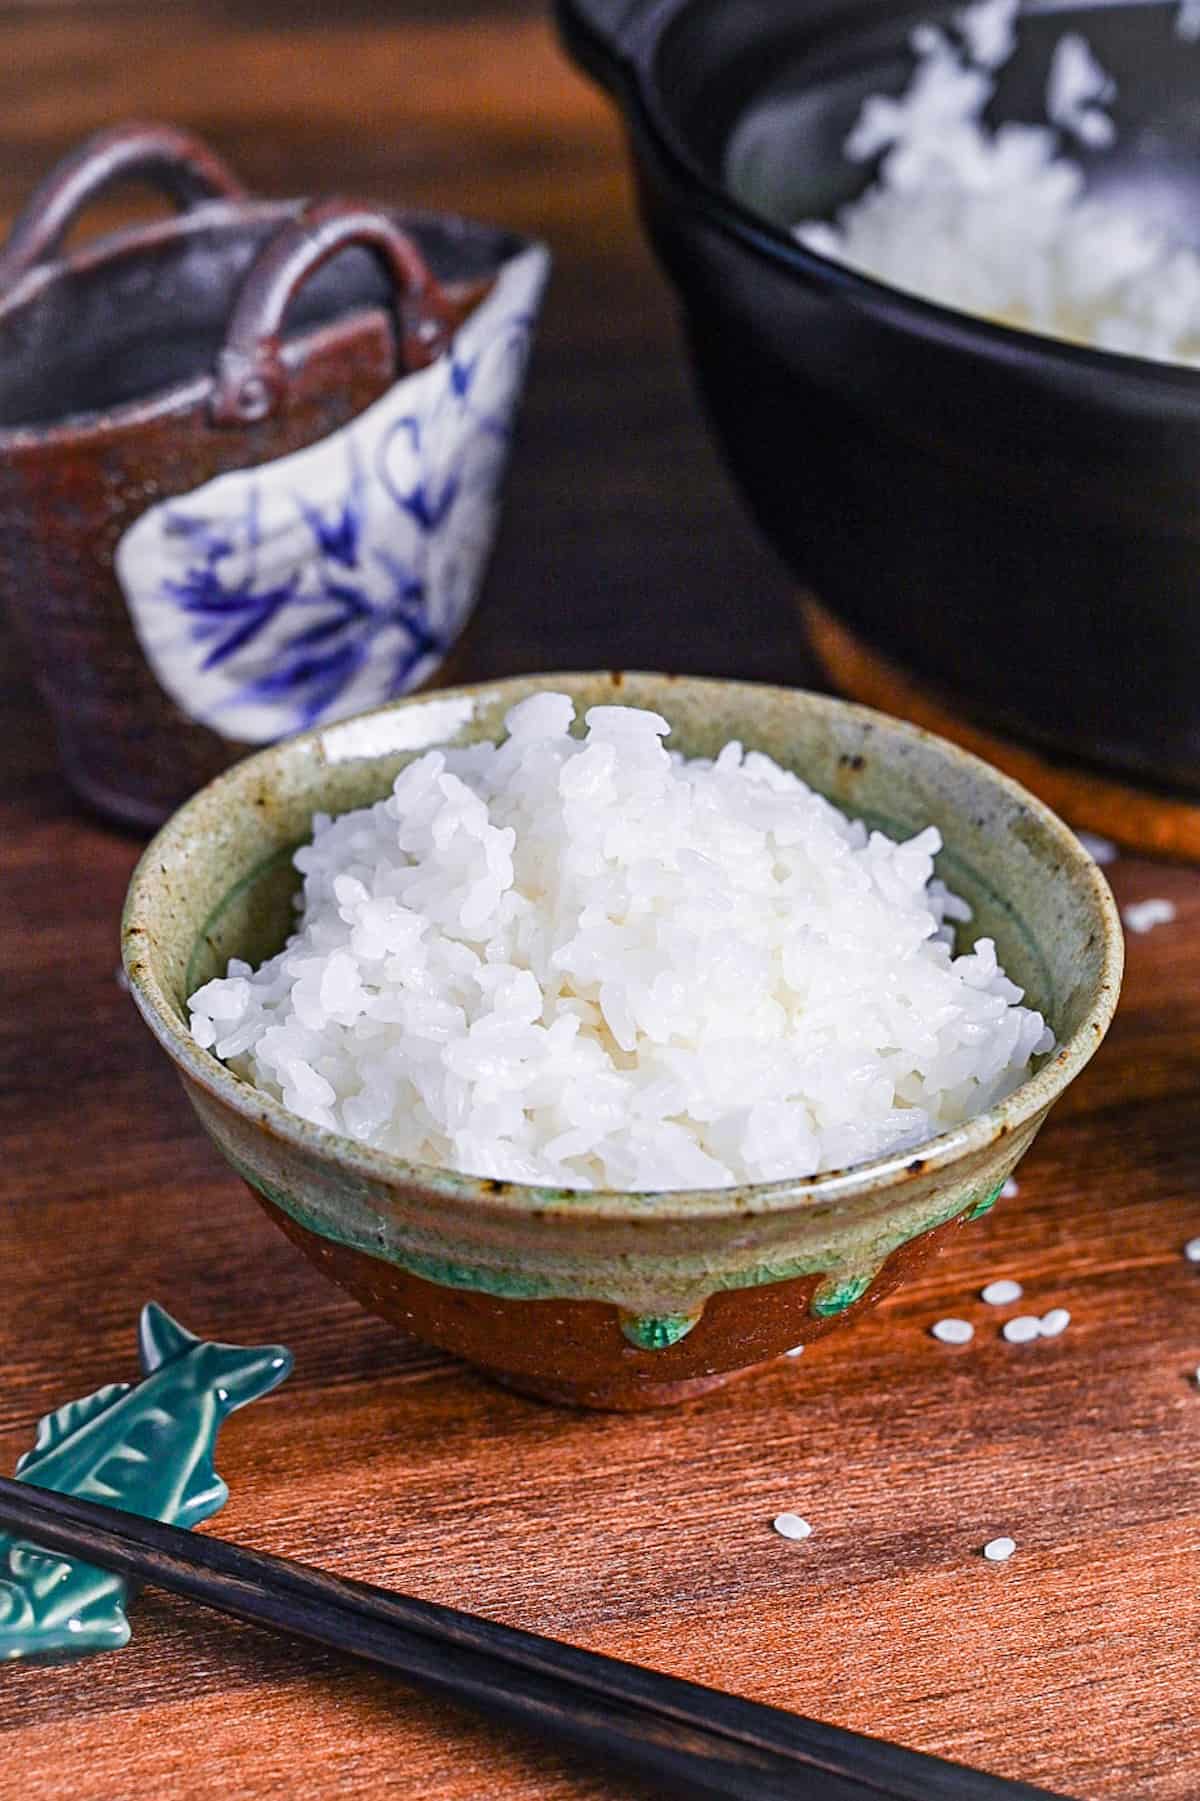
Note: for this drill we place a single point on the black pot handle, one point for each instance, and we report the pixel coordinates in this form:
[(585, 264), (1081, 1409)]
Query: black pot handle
[(170, 159), (251, 375)]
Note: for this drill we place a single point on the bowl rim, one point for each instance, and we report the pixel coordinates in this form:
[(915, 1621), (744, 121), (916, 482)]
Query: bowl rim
[(261, 1110), (637, 52)]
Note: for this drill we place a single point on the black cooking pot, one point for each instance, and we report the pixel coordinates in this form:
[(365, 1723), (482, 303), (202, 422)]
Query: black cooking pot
[(1011, 519)]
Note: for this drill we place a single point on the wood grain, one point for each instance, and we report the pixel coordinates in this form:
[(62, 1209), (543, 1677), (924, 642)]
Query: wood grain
[(682, 1737), (1075, 1665)]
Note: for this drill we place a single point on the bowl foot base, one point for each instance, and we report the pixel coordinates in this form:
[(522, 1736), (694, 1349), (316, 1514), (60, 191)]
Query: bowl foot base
[(617, 1396)]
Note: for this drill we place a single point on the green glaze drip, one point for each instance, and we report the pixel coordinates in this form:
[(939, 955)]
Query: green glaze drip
[(836, 1293), (505, 1284), (987, 1203), (145, 1447), (509, 1285), (657, 1331), (362, 1229)]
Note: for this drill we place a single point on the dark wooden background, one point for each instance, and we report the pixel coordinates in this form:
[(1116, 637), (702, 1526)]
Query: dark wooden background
[(1075, 1665)]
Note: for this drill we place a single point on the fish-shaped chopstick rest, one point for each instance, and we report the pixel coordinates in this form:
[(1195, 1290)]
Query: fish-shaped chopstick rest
[(146, 1447)]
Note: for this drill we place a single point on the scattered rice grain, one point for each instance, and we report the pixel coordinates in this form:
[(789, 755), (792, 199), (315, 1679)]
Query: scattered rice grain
[(1002, 1293), (1022, 1330), (953, 1331), (791, 1525), (1191, 1250), (999, 1550), (1143, 916), (1054, 1322)]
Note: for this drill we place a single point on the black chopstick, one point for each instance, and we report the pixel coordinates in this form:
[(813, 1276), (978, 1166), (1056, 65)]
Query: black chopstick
[(687, 1739)]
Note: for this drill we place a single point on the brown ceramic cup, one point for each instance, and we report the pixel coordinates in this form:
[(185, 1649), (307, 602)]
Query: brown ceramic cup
[(249, 459)]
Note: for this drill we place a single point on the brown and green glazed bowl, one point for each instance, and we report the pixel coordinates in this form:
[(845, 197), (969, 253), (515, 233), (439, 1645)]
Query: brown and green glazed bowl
[(608, 1299)]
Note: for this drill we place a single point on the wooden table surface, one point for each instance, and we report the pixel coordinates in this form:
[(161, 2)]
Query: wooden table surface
[(1074, 1665)]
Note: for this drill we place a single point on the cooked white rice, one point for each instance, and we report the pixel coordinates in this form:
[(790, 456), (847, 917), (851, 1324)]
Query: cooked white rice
[(590, 963), (998, 222)]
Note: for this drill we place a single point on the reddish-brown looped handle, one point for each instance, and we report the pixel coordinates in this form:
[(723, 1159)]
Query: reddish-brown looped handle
[(184, 167), (251, 375)]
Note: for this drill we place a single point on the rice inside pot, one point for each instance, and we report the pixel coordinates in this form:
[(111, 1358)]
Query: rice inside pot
[(998, 222), (588, 962)]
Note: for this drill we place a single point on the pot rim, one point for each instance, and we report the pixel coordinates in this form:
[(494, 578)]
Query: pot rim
[(629, 69), (1024, 1105)]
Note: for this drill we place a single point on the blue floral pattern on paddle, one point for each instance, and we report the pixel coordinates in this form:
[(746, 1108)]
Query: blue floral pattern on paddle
[(311, 587)]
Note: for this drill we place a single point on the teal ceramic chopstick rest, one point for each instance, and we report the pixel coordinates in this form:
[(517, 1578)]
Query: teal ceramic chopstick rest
[(146, 1447)]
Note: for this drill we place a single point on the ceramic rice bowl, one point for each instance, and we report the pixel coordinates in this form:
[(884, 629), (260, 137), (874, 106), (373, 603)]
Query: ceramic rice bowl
[(610, 1299)]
